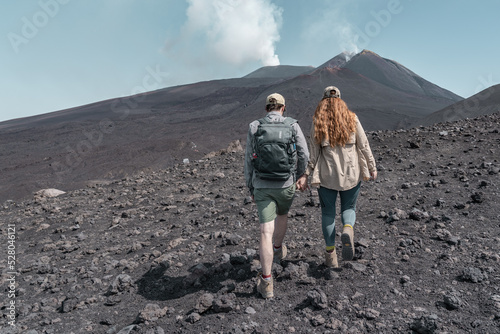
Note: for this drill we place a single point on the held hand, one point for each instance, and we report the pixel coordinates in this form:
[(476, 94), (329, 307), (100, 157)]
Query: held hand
[(373, 175), (301, 183)]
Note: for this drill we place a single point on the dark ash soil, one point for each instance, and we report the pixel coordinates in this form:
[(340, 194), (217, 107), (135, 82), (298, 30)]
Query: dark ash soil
[(176, 251)]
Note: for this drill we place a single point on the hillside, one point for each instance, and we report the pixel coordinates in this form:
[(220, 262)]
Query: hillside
[(279, 72), (396, 76), (176, 250), (115, 138), (483, 103)]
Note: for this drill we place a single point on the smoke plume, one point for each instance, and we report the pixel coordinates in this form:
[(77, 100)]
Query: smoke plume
[(219, 33), (331, 27)]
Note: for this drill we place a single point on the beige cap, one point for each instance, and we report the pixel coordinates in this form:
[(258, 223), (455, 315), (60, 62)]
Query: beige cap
[(331, 91), (275, 98)]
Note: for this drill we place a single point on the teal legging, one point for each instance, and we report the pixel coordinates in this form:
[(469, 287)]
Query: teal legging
[(328, 199)]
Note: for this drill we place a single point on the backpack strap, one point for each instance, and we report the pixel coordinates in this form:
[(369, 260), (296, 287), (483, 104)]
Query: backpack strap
[(264, 120), (290, 121), (287, 121)]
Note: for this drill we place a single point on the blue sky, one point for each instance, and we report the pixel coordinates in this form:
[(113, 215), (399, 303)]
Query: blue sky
[(59, 54)]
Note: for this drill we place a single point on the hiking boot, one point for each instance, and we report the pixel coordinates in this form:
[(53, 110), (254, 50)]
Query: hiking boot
[(280, 254), (347, 239), (265, 287), (331, 259)]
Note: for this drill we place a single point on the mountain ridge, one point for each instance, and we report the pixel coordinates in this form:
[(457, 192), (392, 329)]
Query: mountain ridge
[(116, 137), (485, 102), (267, 75)]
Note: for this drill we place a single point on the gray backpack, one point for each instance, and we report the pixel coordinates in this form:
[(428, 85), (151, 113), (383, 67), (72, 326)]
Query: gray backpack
[(274, 151)]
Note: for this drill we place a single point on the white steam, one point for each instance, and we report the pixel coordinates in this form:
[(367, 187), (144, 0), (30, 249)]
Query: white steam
[(346, 38), (231, 32), (330, 27)]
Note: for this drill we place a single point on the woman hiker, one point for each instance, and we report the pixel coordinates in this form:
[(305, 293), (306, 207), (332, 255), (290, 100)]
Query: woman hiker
[(340, 157)]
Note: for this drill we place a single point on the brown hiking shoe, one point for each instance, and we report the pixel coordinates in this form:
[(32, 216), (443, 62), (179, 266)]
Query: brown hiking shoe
[(331, 259), (280, 254), (347, 239), (265, 287)]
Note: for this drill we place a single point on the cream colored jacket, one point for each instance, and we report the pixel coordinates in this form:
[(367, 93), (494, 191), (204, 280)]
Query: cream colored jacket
[(340, 168)]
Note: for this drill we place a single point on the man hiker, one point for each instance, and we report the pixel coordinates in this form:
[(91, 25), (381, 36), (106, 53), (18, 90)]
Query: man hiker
[(276, 156)]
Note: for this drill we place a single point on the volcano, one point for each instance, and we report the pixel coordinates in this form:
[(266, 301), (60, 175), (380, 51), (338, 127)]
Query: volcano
[(118, 137)]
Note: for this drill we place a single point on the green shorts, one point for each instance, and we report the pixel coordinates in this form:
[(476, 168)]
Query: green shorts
[(273, 201)]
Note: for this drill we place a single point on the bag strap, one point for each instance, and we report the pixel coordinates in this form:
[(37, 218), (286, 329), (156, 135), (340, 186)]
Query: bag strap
[(287, 121), (290, 121), (263, 120)]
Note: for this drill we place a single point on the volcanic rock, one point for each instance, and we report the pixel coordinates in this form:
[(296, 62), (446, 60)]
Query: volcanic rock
[(51, 192), (224, 303), (425, 324), (473, 275), (453, 301), (317, 298), (185, 246), (152, 312), (204, 303)]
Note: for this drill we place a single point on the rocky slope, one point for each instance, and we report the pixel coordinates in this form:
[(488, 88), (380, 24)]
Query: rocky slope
[(176, 251)]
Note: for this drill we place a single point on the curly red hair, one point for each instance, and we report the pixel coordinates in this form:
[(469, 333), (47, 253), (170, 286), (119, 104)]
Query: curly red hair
[(333, 121)]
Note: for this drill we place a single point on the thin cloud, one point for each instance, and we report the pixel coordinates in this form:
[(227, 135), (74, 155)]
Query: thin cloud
[(331, 26)]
